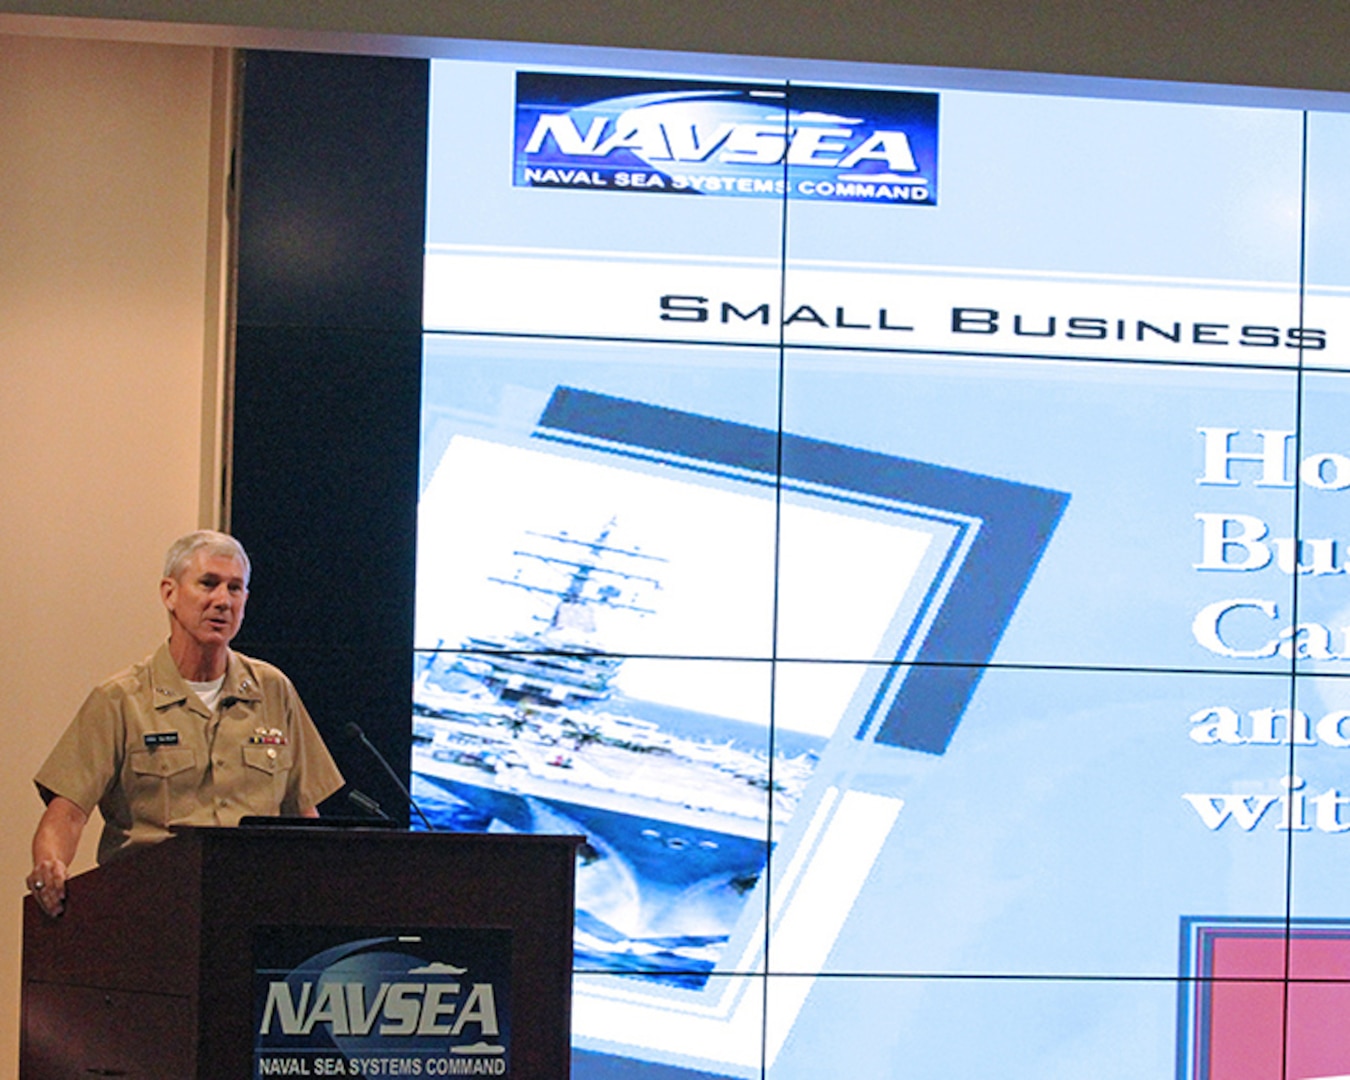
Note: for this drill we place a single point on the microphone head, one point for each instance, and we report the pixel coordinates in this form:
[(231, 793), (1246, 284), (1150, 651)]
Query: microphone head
[(353, 731)]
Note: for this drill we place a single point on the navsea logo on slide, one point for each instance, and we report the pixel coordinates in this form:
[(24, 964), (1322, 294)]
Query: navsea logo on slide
[(693, 138)]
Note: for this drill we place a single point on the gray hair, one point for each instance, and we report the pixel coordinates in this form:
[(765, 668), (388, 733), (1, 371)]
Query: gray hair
[(213, 543)]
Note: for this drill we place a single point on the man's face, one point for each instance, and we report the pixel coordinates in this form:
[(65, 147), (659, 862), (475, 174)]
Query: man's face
[(206, 601)]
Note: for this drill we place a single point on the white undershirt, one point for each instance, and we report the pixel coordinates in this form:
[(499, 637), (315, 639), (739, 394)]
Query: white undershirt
[(209, 692)]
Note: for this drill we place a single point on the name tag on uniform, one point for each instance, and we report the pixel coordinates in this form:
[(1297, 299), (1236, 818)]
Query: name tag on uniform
[(161, 738)]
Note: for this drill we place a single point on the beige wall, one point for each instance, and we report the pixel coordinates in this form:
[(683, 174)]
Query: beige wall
[(105, 337)]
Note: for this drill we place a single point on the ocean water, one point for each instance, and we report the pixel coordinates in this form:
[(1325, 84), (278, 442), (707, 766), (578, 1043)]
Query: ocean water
[(653, 897)]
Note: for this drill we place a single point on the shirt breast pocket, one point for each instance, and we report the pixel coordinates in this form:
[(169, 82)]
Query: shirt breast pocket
[(163, 782), (267, 770)]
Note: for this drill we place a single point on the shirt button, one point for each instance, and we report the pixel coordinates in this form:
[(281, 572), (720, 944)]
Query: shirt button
[(220, 763)]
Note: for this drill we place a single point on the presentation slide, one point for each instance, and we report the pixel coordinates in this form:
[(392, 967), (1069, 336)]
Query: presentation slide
[(899, 518)]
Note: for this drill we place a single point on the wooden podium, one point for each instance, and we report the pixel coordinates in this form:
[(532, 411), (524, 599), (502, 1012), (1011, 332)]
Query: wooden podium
[(150, 973)]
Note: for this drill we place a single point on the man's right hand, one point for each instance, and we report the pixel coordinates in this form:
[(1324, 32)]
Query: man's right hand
[(47, 883), (54, 846)]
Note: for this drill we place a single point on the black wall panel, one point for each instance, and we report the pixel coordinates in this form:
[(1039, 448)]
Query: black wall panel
[(331, 169)]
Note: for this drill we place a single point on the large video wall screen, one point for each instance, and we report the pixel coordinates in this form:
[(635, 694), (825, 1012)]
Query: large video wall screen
[(902, 525)]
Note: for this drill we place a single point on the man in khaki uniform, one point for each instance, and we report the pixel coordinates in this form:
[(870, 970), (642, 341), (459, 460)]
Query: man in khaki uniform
[(195, 734)]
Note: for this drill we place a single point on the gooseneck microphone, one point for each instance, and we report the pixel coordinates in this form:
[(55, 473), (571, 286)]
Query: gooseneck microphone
[(355, 734)]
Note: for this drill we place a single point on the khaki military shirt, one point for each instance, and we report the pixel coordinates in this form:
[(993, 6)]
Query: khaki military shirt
[(146, 751)]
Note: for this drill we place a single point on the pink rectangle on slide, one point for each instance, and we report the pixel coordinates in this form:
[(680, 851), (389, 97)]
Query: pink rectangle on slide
[(1246, 1022)]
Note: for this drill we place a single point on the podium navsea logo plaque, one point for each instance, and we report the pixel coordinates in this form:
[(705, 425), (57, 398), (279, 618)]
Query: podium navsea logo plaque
[(352, 1002)]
